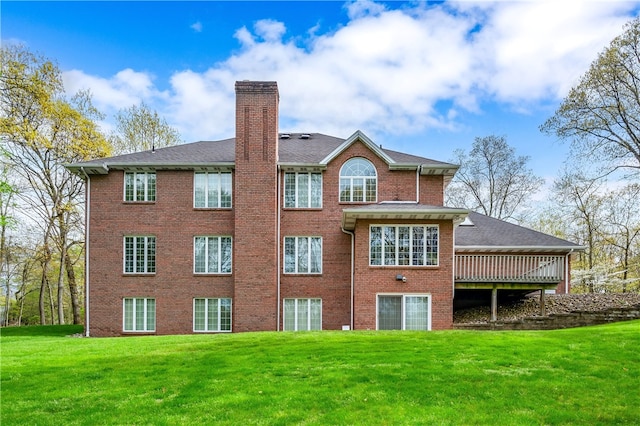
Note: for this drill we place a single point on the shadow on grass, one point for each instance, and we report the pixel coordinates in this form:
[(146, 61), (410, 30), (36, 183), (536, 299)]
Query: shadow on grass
[(41, 330)]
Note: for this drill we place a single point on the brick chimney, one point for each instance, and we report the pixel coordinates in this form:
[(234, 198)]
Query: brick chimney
[(255, 243)]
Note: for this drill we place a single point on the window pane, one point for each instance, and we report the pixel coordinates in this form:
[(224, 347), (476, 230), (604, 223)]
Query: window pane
[(371, 189), (416, 312), (289, 314), (151, 186), (357, 189), (303, 190), (303, 255), (431, 245), (199, 314), (200, 184), (316, 255), (225, 314), (226, 253), (316, 190), (404, 245), (140, 179), (139, 314), (128, 186), (199, 254), (128, 254), (128, 314), (389, 245), (375, 243), (151, 254), (212, 315), (345, 189), (303, 314), (213, 255), (226, 190), (151, 315), (290, 254), (418, 246), (213, 186), (290, 190), (316, 314), (389, 313)]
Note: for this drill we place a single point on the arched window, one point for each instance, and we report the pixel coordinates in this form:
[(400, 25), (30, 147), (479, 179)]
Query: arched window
[(358, 181)]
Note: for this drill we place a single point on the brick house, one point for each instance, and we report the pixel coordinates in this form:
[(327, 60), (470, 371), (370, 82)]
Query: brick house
[(284, 231)]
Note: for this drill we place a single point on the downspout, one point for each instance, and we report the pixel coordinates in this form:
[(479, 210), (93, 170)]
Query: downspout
[(353, 236), (86, 251), (418, 170), (278, 247)]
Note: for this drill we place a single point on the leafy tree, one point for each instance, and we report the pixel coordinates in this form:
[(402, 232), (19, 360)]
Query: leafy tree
[(492, 180), (138, 128), (601, 114), (41, 130)]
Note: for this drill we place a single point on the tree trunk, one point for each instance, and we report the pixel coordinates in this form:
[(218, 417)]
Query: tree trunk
[(73, 288)]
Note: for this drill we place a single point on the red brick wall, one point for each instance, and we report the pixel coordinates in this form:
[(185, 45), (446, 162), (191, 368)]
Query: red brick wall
[(174, 222), (255, 252)]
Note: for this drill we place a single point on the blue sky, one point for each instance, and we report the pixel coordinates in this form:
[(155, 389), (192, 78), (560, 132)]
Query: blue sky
[(420, 77)]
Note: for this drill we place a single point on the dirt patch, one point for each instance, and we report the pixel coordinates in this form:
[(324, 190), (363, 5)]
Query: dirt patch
[(555, 304)]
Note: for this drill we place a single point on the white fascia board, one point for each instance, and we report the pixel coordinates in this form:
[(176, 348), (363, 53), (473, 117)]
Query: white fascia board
[(357, 136), (469, 249)]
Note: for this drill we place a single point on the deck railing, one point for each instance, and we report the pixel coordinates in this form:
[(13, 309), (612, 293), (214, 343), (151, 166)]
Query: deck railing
[(509, 268)]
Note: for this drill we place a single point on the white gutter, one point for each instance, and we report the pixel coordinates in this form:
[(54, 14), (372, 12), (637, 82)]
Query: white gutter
[(353, 272), (86, 251)]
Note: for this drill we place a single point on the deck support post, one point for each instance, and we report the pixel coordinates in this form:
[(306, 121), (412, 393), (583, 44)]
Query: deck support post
[(543, 311), (494, 304)]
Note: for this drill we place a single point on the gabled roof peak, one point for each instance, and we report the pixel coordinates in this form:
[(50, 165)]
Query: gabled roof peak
[(358, 136)]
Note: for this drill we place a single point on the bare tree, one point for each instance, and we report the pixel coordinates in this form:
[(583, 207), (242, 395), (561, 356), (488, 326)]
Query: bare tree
[(492, 179), (601, 114), (139, 128)]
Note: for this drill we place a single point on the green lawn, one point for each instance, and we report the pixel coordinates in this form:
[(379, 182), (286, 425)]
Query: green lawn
[(573, 376)]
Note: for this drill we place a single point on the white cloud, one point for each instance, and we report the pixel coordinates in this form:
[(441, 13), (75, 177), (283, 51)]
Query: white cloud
[(387, 71), (196, 26)]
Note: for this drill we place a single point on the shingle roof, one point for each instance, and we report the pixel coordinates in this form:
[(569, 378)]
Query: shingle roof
[(496, 235), (296, 149)]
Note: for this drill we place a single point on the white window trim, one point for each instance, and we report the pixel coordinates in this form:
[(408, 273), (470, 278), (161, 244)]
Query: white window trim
[(206, 314), (404, 311), (351, 178), (295, 314), (206, 254), (146, 255), (144, 313), (296, 188), (284, 255), (411, 226), (146, 187), (206, 190)]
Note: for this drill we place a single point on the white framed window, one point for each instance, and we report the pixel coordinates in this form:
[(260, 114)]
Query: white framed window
[(303, 190), (139, 314), (302, 314), (403, 245), (212, 314), (140, 186), (212, 255), (302, 255), (404, 312), (139, 255), (358, 181), (212, 190)]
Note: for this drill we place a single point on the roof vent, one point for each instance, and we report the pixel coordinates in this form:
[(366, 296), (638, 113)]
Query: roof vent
[(305, 136), (285, 135)]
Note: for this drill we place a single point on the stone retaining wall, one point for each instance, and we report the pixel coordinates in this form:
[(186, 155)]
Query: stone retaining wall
[(556, 321)]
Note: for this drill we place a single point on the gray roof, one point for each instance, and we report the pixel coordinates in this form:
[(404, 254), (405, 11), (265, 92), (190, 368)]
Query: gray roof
[(296, 149), (488, 233)]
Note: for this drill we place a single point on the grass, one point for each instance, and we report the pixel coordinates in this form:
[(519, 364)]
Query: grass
[(573, 376)]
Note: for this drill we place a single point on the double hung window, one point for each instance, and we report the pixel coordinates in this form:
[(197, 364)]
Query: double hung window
[(358, 181), (139, 255), (139, 314), (212, 314), (212, 255), (302, 314), (212, 190), (404, 312), (140, 186), (303, 190), (402, 245), (303, 255)]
